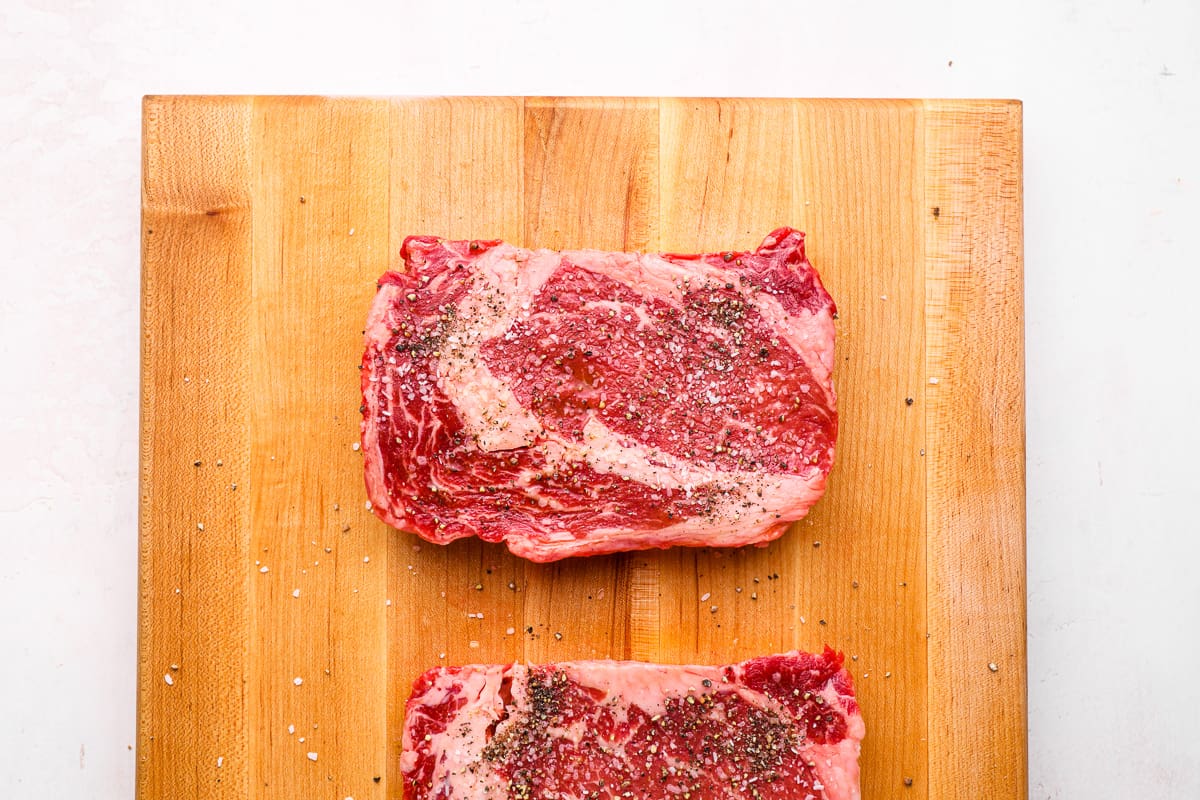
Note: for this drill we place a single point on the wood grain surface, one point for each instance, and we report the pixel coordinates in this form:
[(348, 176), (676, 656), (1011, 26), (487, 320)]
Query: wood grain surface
[(281, 624)]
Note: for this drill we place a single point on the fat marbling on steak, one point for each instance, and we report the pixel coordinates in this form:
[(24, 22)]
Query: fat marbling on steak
[(780, 726), (583, 402)]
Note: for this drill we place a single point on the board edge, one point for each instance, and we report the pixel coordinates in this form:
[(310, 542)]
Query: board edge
[(975, 512)]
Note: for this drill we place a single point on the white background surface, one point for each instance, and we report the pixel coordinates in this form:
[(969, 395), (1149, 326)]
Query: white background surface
[(1112, 190)]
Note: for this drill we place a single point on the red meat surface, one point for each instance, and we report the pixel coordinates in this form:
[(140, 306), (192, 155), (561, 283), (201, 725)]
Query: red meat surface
[(780, 726), (584, 402)]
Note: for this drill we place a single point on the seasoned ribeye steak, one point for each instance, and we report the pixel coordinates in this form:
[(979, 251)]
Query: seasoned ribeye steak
[(780, 726), (583, 402)]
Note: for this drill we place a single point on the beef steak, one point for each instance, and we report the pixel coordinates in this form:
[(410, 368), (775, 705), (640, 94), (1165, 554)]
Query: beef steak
[(587, 402), (780, 726)]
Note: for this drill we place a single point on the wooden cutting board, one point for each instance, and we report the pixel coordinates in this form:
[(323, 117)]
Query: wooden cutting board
[(281, 624)]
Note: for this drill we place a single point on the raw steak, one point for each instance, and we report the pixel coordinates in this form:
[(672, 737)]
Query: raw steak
[(587, 402), (782, 726)]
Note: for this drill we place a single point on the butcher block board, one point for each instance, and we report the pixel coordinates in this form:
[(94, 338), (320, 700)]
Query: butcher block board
[(281, 624)]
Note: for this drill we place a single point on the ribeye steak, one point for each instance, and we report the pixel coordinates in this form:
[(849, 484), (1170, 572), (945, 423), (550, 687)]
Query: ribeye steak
[(583, 402), (780, 726)]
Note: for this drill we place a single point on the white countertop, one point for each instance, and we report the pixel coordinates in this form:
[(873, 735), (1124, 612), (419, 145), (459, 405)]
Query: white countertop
[(1112, 192)]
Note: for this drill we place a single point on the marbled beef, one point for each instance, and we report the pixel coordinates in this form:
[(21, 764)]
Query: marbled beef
[(583, 402), (781, 726)]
